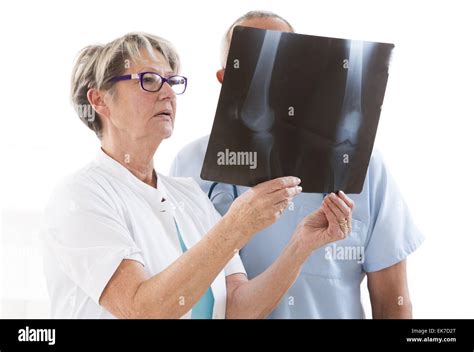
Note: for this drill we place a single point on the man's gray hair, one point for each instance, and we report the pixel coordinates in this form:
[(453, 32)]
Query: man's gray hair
[(248, 16)]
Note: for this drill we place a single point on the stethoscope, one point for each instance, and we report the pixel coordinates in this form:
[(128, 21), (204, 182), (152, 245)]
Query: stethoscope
[(232, 196), (234, 191)]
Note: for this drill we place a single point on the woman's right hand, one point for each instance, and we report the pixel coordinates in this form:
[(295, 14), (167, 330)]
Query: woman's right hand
[(262, 205)]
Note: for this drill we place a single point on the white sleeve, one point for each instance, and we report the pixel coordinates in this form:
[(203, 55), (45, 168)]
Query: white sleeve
[(235, 266), (87, 236)]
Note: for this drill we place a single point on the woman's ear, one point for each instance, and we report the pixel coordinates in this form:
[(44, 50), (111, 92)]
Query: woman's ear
[(220, 75), (96, 99)]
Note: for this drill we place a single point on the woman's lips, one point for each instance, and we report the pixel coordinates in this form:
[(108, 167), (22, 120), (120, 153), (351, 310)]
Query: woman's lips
[(164, 117)]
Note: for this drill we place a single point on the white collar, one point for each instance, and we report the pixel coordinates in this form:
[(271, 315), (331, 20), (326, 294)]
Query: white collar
[(119, 171)]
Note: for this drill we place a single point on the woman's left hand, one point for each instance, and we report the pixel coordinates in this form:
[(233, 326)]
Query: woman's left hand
[(332, 221)]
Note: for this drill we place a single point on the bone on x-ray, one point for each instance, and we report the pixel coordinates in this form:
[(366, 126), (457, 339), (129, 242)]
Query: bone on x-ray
[(299, 105)]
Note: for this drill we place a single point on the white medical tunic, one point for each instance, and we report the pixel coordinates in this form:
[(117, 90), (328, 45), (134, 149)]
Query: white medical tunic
[(329, 284), (102, 215)]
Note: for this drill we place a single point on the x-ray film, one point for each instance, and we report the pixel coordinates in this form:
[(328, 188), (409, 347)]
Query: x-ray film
[(298, 105)]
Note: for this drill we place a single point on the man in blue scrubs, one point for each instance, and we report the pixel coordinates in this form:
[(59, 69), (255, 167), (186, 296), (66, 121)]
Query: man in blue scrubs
[(383, 233)]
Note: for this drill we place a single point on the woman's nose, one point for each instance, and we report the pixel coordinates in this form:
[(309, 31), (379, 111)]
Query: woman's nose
[(166, 92)]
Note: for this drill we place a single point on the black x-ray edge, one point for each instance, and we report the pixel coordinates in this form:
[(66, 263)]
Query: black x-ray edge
[(305, 106)]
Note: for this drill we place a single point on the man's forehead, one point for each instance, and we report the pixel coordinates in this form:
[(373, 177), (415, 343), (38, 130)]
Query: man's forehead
[(272, 23)]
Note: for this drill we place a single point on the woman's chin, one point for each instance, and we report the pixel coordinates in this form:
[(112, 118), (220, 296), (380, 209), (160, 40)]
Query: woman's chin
[(165, 133), (168, 135), (157, 135), (164, 129)]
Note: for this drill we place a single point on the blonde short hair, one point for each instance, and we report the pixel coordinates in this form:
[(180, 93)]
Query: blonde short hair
[(97, 64)]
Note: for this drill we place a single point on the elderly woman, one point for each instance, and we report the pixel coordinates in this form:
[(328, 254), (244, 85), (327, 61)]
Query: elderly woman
[(123, 241)]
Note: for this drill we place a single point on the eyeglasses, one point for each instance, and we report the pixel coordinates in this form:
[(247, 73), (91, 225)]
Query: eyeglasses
[(152, 82)]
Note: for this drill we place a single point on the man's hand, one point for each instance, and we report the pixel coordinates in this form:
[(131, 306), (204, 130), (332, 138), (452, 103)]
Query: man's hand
[(331, 222)]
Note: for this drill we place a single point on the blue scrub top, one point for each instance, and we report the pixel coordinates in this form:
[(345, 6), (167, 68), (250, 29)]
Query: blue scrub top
[(329, 284)]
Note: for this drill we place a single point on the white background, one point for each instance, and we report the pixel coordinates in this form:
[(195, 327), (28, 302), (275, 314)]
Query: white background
[(425, 131)]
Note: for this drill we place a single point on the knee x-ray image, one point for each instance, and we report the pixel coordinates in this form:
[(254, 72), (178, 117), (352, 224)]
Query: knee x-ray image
[(298, 105)]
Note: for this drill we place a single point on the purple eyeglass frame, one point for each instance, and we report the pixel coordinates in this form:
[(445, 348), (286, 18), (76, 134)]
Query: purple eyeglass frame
[(140, 75)]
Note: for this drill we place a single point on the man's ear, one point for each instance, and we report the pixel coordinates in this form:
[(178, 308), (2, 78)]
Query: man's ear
[(220, 75), (96, 99)]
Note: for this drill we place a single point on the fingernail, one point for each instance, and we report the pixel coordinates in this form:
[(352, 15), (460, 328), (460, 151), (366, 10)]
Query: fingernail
[(299, 189), (298, 179)]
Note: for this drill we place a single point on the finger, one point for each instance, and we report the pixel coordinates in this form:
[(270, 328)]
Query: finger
[(335, 210), (332, 219), (281, 206), (349, 202), (285, 193), (342, 207), (341, 221), (278, 184), (349, 224), (329, 213)]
